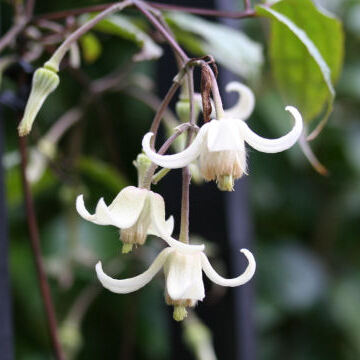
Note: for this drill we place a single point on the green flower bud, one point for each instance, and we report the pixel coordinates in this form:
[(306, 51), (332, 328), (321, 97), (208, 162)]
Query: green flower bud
[(182, 109), (44, 82), (142, 164)]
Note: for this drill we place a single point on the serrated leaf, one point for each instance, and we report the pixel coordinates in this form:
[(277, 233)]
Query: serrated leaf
[(306, 52), (124, 27), (91, 47), (230, 47)]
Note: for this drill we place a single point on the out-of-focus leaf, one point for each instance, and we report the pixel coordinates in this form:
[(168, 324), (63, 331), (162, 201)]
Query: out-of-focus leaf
[(306, 51), (102, 173), (353, 19), (231, 48), (349, 83), (344, 306), (295, 278), (14, 185), (91, 47), (124, 27)]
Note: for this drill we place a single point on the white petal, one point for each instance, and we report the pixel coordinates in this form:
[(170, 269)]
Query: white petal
[(127, 205), (169, 226), (246, 103), (178, 160), (274, 145), (159, 226), (132, 284), (184, 276), (240, 280), (123, 212), (224, 135), (80, 207)]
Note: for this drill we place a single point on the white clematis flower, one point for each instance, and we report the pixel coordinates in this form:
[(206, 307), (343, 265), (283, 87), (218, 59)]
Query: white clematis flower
[(138, 213), (183, 277), (220, 143)]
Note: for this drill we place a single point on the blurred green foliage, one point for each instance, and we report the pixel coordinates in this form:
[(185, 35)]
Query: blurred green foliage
[(306, 226)]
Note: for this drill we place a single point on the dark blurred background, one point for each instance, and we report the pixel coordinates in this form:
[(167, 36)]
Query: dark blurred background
[(304, 227)]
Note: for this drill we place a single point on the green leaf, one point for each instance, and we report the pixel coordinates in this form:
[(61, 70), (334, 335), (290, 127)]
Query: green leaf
[(102, 173), (231, 48), (306, 53), (124, 27), (91, 47)]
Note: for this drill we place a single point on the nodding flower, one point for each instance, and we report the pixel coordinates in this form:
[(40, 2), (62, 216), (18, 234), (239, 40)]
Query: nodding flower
[(220, 143), (183, 277), (137, 213)]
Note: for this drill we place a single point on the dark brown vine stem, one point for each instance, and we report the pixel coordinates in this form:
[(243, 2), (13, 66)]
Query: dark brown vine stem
[(198, 11), (35, 244)]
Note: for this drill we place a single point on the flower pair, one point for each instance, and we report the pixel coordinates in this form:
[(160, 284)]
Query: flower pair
[(220, 143), (139, 212)]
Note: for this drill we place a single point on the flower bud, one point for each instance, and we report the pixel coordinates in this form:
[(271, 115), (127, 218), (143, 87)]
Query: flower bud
[(44, 82), (182, 109), (142, 164)]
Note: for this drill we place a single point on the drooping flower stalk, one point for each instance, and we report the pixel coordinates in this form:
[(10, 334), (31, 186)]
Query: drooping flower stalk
[(220, 143), (183, 277)]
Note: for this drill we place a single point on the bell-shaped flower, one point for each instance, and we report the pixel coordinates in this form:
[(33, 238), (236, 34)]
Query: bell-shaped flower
[(44, 82), (220, 143), (183, 277), (138, 213)]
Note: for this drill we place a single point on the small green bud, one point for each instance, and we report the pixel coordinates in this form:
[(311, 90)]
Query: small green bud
[(43, 84), (142, 164), (126, 248), (225, 183), (179, 313), (182, 109)]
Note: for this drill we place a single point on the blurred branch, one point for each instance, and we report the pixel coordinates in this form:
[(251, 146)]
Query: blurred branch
[(206, 12), (35, 243), (154, 103), (247, 5), (63, 124), (29, 10), (13, 32)]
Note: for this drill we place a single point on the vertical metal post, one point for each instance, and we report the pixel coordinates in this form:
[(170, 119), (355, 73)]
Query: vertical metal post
[(240, 233)]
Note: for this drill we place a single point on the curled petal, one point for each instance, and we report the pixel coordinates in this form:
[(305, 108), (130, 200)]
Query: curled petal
[(160, 228), (180, 159), (122, 212), (132, 284), (246, 103), (240, 280), (274, 145)]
